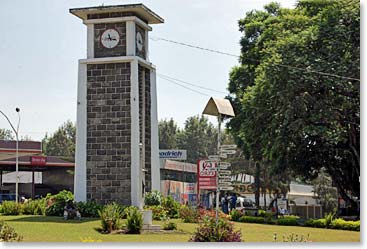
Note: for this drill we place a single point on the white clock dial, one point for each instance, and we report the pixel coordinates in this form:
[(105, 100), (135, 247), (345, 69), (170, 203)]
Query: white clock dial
[(139, 41), (110, 38)]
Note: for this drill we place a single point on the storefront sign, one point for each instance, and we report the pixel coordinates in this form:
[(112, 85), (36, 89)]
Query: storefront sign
[(180, 166), (173, 154), (206, 175), (38, 160)]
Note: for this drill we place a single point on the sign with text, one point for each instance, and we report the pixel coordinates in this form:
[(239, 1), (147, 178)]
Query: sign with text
[(206, 178), (173, 154), (38, 160)]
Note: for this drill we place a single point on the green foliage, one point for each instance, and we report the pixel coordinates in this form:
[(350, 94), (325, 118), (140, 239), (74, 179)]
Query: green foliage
[(235, 215), (8, 234), (11, 208), (299, 120), (158, 212), (153, 198), (345, 225), (61, 142), (251, 219), (209, 231), (171, 206), (110, 217), (56, 203), (199, 138), (169, 225), (320, 223), (287, 221), (134, 222), (329, 219), (89, 208), (6, 134), (35, 207), (188, 214), (324, 191), (168, 132)]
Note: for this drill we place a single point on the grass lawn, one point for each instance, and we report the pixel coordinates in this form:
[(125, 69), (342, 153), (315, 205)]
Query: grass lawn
[(55, 229)]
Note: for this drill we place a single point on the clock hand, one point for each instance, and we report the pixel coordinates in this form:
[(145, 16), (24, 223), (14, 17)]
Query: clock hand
[(109, 37)]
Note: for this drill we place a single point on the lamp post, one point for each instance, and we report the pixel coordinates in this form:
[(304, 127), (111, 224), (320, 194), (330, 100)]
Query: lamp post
[(16, 131)]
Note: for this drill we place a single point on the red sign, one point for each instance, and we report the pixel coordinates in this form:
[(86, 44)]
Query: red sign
[(207, 175), (38, 160)]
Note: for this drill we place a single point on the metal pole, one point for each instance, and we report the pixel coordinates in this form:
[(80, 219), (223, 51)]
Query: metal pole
[(17, 147), (17, 173), (217, 176)]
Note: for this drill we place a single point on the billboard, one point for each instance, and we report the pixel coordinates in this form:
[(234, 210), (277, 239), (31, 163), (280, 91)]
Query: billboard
[(206, 178), (173, 154)]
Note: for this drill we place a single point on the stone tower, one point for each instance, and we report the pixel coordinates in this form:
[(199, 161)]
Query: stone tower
[(117, 128)]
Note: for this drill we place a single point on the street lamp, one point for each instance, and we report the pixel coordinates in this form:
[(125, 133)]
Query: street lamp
[(17, 148)]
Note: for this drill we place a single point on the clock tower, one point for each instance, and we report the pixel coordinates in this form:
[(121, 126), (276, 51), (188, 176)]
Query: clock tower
[(117, 127)]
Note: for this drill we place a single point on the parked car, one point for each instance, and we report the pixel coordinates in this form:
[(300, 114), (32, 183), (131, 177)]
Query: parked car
[(246, 206)]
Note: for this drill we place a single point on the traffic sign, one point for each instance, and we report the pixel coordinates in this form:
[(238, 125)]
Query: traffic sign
[(224, 172), (228, 146), (224, 164), (223, 155), (214, 157), (225, 188), (228, 152), (224, 182), (225, 178)]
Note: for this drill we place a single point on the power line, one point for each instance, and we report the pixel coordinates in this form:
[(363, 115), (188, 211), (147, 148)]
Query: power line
[(191, 84), (188, 88), (255, 60)]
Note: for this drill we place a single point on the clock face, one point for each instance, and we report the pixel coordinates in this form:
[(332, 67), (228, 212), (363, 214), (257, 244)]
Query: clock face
[(110, 38), (139, 41)]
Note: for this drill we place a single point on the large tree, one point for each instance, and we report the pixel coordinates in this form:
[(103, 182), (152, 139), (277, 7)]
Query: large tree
[(62, 142), (168, 132), (296, 92)]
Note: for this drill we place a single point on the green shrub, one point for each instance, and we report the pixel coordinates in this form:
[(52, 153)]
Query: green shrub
[(34, 207), (235, 215), (158, 212), (134, 222), (8, 234), (345, 225), (56, 203), (251, 219), (328, 219), (110, 217), (210, 231), (89, 208), (262, 213), (319, 223), (11, 208), (287, 221), (153, 198), (169, 226), (188, 214), (171, 206)]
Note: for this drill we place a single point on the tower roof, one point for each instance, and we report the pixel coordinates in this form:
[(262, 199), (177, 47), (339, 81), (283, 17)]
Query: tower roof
[(139, 9)]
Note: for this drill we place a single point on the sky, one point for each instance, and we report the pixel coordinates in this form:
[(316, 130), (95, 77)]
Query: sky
[(41, 43)]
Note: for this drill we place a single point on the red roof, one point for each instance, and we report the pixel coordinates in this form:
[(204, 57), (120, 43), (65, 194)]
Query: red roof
[(26, 161)]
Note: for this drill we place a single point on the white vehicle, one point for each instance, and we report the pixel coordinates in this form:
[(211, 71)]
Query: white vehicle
[(246, 205)]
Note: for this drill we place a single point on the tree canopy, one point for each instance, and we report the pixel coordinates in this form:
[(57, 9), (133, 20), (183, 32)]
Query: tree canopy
[(296, 91), (62, 142)]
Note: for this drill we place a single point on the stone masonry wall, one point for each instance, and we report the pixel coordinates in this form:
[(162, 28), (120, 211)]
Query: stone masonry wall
[(144, 75), (108, 133)]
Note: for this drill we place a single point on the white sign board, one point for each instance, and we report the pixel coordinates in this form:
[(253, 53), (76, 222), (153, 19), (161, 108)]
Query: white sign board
[(225, 172), (213, 157), (173, 154), (226, 188), (228, 152), (225, 178), (228, 146)]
